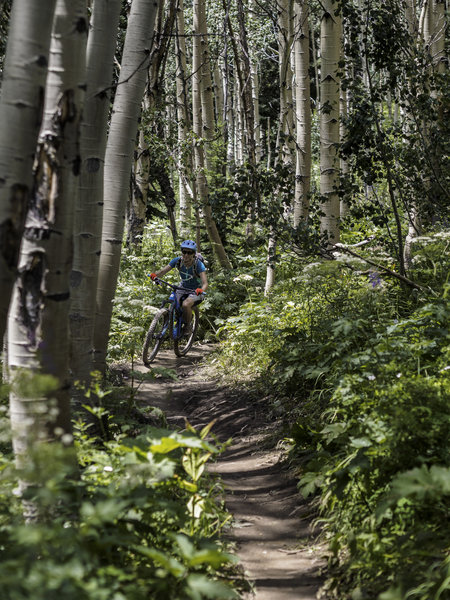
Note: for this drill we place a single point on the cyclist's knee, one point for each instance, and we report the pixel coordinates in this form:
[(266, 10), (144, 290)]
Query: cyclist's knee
[(189, 302)]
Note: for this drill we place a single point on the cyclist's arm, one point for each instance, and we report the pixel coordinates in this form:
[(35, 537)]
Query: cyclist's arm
[(204, 280), (163, 271)]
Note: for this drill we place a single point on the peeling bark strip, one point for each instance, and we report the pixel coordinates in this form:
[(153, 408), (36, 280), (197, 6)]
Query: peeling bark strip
[(46, 188), (31, 295), (38, 325)]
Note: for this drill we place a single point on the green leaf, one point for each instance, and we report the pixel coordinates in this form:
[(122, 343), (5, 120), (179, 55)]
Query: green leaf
[(211, 557), (199, 586), (170, 564), (175, 440)]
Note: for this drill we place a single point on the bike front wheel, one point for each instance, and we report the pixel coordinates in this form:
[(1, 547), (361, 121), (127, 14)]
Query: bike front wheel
[(155, 335), (182, 345)]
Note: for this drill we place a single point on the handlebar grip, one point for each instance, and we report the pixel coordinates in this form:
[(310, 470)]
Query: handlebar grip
[(155, 280)]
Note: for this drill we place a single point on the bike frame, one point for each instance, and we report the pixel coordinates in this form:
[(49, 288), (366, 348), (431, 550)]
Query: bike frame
[(169, 319), (175, 309)]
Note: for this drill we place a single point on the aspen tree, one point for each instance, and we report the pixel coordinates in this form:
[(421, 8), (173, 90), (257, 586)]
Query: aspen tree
[(203, 125), (38, 330), (244, 69), (302, 111), (285, 40), (89, 208), (414, 222), (330, 46), (254, 74), (119, 160), (218, 93), (286, 137), (153, 100), (228, 112), (431, 29), (185, 189), (22, 94)]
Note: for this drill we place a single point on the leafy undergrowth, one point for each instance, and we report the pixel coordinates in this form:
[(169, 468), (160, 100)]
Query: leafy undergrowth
[(139, 519), (361, 369)]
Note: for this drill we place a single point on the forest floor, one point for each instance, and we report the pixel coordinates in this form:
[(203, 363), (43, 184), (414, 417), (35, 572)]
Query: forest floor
[(271, 523)]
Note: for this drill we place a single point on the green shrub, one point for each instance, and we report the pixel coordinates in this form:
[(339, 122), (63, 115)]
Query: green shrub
[(382, 459), (142, 521), (361, 365)]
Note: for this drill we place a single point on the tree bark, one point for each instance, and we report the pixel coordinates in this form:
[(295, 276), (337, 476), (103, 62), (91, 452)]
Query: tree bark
[(203, 125), (302, 111), (329, 120), (118, 163), (21, 103), (183, 120), (89, 208), (285, 40), (38, 325)]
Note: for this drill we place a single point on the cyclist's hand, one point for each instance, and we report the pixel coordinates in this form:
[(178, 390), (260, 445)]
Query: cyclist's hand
[(199, 291), (153, 276)]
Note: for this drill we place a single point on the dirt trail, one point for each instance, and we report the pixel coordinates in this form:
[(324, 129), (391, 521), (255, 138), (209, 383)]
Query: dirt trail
[(271, 522)]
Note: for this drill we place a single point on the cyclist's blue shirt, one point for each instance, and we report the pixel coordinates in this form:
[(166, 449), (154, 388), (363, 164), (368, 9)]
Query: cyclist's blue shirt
[(188, 274)]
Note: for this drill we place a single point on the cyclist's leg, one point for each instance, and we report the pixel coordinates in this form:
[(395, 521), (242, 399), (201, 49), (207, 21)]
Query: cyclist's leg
[(188, 305)]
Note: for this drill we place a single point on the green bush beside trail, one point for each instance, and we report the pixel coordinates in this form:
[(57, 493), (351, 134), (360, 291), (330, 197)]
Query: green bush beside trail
[(360, 369)]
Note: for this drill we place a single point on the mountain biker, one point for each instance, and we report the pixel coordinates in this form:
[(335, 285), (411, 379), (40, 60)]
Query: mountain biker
[(193, 276)]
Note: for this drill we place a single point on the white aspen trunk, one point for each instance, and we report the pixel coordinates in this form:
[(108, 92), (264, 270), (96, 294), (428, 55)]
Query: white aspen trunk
[(38, 326), (414, 225), (271, 258), (254, 74), (89, 208), (218, 93), (329, 120), (228, 113), (238, 126), (206, 87), (183, 126), (286, 135), (302, 110), (203, 125), (118, 163), (269, 145), (316, 65), (343, 107), (285, 40), (244, 70), (22, 93), (255, 97)]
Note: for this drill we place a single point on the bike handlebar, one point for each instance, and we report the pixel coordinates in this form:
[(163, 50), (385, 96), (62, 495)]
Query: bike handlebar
[(158, 281)]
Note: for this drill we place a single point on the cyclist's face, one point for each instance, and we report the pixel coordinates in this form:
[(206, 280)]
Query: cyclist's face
[(188, 257)]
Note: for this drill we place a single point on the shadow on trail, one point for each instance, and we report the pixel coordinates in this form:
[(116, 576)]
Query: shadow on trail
[(272, 523)]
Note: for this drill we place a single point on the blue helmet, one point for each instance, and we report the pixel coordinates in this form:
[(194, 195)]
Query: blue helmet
[(189, 245)]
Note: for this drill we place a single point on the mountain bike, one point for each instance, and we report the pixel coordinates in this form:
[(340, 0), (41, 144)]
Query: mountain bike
[(168, 323)]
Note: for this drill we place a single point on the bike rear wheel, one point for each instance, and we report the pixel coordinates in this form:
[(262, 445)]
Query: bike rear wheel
[(183, 345), (155, 335)]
